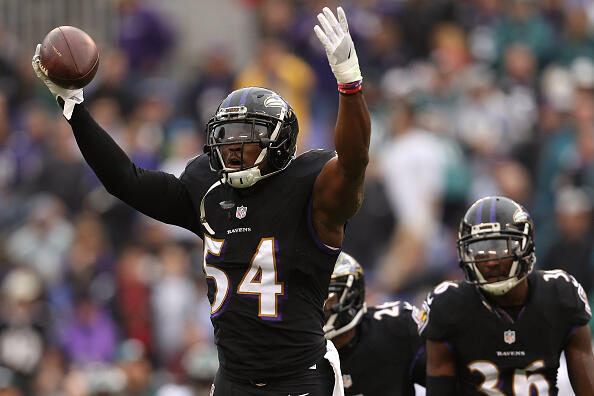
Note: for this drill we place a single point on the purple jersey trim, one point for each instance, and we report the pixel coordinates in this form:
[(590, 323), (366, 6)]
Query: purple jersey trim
[(573, 329), (323, 247), (280, 297), (225, 302), (277, 318), (211, 280), (413, 363)]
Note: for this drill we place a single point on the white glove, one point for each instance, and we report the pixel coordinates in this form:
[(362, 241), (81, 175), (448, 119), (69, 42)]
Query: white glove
[(69, 96), (339, 46)]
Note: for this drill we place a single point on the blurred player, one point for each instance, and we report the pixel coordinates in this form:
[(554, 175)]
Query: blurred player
[(501, 331), (381, 352), (272, 223)]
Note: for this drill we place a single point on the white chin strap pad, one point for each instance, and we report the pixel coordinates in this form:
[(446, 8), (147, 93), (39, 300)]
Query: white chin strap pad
[(243, 179), (246, 178), (501, 287)]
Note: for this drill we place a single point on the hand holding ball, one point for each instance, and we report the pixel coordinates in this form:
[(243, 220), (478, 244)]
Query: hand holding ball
[(69, 57), (66, 61)]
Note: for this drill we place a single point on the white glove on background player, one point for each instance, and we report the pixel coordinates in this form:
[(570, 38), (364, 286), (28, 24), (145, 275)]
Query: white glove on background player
[(69, 96), (339, 46)]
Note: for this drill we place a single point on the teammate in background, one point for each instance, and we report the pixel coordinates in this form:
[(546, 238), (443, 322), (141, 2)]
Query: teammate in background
[(502, 330), (381, 352), (272, 223)]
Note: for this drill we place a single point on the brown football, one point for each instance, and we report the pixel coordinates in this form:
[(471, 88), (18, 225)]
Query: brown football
[(69, 57)]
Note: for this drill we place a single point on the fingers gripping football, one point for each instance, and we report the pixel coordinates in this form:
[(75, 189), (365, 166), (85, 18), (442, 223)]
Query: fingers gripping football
[(336, 39), (69, 96)]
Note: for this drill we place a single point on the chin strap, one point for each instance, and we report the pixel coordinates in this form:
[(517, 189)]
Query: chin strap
[(225, 179), (246, 178), (242, 179), (203, 213), (501, 287)]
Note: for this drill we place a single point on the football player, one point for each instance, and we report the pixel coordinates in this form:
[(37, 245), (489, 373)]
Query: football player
[(502, 329), (381, 352), (272, 223)]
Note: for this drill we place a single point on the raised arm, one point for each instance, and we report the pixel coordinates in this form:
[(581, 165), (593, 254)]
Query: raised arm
[(338, 190), (159, 195), (580, 361)]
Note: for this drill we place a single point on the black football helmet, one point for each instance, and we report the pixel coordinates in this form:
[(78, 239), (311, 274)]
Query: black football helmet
[(496, 228), (252, 115), (345, 305)]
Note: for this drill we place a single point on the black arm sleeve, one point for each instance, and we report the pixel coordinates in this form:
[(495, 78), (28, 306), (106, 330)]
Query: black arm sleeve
[(159, 195), (441, 386), (419, 368)]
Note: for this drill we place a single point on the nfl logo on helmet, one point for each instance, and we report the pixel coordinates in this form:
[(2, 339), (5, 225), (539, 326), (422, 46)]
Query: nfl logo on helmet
[(240, 212)]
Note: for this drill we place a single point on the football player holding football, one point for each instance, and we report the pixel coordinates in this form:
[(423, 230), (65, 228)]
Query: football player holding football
[(272, 222), (501, 330), (381, 352)]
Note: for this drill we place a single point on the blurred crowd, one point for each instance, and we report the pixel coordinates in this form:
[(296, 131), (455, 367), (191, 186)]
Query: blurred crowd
[(468, 98)]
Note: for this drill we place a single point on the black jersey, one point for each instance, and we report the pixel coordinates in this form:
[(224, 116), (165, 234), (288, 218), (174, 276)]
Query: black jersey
[(267, 273), (387, 354), (496, 355)]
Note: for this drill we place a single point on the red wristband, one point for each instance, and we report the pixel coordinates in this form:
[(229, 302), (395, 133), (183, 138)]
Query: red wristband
[(350, 88)]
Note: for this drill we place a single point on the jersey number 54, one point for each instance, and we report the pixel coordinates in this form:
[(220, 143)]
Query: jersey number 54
[(260, 279)]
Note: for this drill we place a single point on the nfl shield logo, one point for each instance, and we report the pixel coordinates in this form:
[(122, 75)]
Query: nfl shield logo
[(347, 381), (240, 212), (509, 336)]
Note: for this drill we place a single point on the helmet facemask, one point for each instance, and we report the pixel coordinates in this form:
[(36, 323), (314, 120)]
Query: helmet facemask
[(246, 147), (511, 250), (345, 305)]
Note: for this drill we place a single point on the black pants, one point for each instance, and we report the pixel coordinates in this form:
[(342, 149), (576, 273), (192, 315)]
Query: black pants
[(310, 382)]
